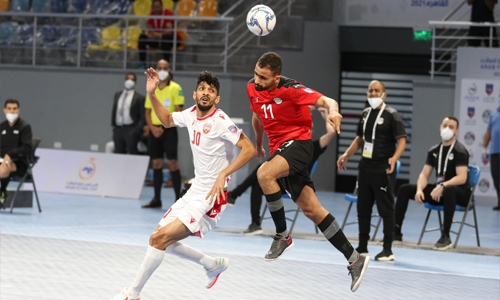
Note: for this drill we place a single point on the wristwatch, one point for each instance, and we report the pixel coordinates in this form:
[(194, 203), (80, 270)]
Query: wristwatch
[(442, 184)]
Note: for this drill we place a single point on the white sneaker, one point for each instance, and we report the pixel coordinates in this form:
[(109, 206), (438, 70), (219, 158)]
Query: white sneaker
[(124, 295), (213, 275)]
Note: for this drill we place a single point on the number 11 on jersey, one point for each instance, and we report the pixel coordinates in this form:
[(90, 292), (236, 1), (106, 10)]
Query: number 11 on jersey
[(265, 108)]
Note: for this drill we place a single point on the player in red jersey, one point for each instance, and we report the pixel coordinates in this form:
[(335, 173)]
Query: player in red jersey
[(280, 109)]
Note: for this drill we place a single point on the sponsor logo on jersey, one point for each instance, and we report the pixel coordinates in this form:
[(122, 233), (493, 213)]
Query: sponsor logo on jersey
[(192, 221), (308, 90), (222, 116), (207, 127), (278, 100), (489, 89), (233, 129)]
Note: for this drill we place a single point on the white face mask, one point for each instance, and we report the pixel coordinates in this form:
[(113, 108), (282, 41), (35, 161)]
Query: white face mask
[(129, 84), (375, 102), (163, 75), (446, 134), (11, 117)]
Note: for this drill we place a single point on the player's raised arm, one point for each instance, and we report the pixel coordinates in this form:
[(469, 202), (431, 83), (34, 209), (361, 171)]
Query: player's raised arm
[(151, 85), (247, 152)]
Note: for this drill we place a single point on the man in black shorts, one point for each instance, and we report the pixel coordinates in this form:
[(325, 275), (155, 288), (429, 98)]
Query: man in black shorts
[(280, 109), (450, 158), (163, 141), (15, 146)]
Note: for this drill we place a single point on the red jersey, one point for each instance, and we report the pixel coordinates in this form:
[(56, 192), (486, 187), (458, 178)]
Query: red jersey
[(161, 24), (284, 111)]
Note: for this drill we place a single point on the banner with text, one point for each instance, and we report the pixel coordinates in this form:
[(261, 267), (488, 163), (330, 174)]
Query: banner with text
[(90, 173), (477, 91)]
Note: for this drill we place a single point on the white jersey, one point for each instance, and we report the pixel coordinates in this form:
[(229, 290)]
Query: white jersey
[(213, 138)]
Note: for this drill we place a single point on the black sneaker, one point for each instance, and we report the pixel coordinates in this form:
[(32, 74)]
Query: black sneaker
[(279, 246), (397, 239), (357, 270), (3, 199), (443, 243), (253, 229), (496, 207), (231, 199), (363, 251), (155, 203), (385, 255)]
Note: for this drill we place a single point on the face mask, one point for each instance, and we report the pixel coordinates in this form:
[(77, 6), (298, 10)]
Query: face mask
[(163, 75), (375, 102), (129, 84), (446, 134), (11, 117)]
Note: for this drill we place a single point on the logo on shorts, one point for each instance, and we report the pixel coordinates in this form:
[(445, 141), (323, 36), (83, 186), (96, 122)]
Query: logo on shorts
[(207, 127), (192, 221), (278, 100), (213, 212)]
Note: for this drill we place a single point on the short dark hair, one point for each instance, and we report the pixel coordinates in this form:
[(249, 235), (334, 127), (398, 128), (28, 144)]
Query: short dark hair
[(11, 100), (133, 75), (210, 78), (272, 61), (152, 2), (454, 119)]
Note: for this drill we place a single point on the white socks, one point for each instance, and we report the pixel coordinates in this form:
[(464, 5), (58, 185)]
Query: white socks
[(151, 262), (183, 251)]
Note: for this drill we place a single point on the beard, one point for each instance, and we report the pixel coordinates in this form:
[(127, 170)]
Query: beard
[(204, 107), (259, 87)]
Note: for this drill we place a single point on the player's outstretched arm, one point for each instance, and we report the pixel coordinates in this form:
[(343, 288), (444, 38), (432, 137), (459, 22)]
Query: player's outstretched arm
[(334, 117), (151, 85), (247, 152)]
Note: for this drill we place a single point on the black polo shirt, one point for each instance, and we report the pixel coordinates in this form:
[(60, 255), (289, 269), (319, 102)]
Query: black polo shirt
[(459, 157), (389, 129), (16, 140)]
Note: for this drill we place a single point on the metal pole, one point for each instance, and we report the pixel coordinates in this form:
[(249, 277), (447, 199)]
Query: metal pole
[(125, 46), (226, 46), (433, 50), (174, 54), (289, 8), (79, 42), (33, 53), (491, 36)]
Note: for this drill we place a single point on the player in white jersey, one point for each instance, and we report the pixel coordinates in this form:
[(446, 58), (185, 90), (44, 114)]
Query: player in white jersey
[(212, 135)]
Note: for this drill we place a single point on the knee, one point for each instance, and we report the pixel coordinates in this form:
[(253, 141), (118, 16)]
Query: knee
[(158, 240), (157, 163), (264, 175), (173, 164)]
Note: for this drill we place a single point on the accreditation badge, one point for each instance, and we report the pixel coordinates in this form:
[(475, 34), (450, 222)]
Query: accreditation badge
[(368, 150), (440, 179), (166, 103)]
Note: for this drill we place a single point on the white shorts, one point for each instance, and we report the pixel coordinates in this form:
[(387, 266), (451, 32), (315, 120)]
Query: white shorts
[(195, 212)]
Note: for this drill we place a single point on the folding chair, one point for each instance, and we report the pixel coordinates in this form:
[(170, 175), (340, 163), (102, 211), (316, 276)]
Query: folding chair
[(353, 198), (28, 176), (473, 175), (297, 210)]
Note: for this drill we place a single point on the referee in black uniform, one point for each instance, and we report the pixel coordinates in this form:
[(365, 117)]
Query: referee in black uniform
[(15, 145), (382, 137)]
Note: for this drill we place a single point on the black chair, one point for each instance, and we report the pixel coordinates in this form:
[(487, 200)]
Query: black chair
[(27, 177)]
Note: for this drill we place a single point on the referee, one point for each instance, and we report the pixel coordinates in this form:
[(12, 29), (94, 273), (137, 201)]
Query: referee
[(163, 141), (382, 137)]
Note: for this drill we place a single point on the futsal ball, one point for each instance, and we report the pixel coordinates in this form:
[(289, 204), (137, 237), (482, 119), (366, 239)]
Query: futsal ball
[(261, 20)]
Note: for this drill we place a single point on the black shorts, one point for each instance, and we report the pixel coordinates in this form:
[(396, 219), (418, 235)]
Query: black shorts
[(298, 155), (21, 169), (165, 144)]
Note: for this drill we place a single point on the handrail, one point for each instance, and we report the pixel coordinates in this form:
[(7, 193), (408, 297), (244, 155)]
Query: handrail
[(465, 23), (233, 7)]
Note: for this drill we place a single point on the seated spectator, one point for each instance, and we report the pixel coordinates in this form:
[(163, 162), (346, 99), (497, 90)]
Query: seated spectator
[(159, 33), (256, 192), (15, 146), (450, 158)]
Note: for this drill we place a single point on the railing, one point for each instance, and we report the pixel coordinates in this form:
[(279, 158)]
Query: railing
[(55, 39), (446, 41)]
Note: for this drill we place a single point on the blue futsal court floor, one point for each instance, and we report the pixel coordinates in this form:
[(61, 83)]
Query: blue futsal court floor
[(90, 248)]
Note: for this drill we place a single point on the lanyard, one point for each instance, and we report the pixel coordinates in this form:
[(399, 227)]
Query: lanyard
[(374, 124), (446, 159), (162, 20)]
